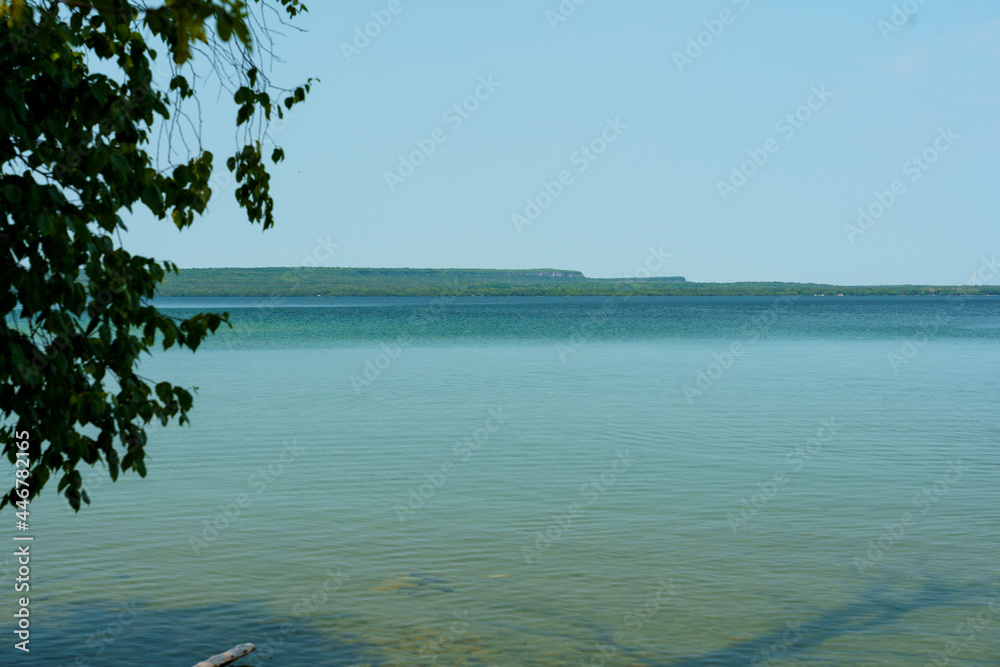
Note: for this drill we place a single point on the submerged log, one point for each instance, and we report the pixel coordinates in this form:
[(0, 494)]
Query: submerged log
[(229, 657)]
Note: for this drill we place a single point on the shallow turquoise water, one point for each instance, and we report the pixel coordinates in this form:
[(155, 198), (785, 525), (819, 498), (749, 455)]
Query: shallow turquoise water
[(552, 481)]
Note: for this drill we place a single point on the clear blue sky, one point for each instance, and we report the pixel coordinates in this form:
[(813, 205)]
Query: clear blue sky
[(674, 127)]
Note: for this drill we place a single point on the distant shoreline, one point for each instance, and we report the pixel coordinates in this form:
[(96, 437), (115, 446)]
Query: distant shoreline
[(348, 282)]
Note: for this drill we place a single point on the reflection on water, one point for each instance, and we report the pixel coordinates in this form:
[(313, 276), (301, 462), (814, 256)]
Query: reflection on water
[(102, 633)]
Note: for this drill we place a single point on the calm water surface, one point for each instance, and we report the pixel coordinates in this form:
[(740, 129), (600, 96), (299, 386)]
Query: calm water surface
[(670, 482)]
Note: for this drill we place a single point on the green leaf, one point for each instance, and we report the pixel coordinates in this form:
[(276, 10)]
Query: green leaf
[(224, 26), (14, 93), (12, 194), (244, 114), (152, 199), (243, 95), (182, 175), (164, 390)]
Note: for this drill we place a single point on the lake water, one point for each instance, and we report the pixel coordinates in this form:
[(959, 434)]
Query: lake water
[(550, 481)]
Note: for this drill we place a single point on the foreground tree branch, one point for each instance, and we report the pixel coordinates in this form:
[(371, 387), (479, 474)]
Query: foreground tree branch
[(73, 154)]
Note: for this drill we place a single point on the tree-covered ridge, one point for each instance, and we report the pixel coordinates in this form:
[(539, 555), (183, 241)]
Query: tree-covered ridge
[(370, 282)]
